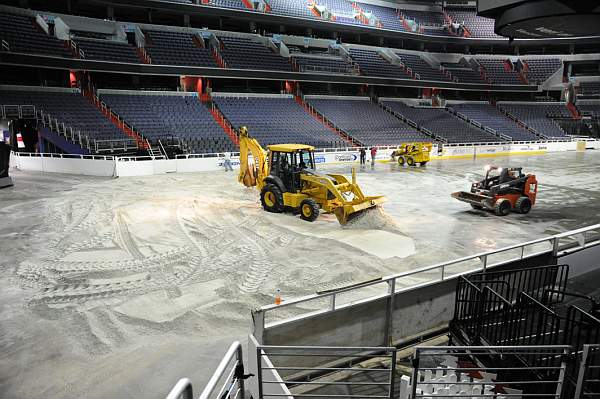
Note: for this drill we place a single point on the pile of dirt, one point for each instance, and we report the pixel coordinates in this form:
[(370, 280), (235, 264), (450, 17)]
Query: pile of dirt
[(373, 219)]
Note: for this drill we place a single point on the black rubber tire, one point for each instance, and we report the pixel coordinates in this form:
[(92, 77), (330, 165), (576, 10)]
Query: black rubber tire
[(523, 205), (401, 161), (502, 207), (271, 198), (477, 207), (410, 161), (423, 163), (309, 210)]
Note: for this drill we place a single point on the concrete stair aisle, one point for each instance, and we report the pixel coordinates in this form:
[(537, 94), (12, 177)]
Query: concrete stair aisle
[(114, 118), (327, 123), (223, 122)]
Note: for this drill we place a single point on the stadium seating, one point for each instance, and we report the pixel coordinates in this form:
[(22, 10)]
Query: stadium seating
[(236, 4), (495, 71), (274, 120), (373, 64), (72, 109), (291, 8), (540, 70), (477, 26), (421, 67), (589, 88), (157, 116), (386, 15), (88, 35), (107, 50), (589, 108), (464, 73), (442, 123), (490, 116), (322, 64), (367, 122), (426, 18), (244, 53), (535, 115), (23, 36), (176, 48)]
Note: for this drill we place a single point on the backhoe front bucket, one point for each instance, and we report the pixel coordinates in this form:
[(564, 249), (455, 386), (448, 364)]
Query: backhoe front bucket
[(350, 210)]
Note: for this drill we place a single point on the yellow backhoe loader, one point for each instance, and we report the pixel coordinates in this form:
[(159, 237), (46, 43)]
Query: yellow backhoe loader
[(286, 177)]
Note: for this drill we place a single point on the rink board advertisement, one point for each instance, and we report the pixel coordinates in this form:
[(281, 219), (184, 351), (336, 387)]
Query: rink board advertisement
[(141, 167)]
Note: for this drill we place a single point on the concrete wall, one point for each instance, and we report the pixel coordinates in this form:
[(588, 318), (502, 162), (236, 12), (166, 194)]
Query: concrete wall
[(414, 312), (582, 262)]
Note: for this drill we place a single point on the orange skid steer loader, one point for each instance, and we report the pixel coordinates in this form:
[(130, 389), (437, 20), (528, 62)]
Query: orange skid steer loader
[(502, 190)]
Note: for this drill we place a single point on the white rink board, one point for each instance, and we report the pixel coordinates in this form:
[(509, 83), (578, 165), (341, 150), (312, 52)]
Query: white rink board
[(126, 167)]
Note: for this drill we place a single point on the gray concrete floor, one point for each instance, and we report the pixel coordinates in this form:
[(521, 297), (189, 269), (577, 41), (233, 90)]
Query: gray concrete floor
[(118, 287)]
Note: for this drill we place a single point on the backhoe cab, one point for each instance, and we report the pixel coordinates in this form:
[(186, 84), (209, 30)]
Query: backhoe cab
[(286, 177)]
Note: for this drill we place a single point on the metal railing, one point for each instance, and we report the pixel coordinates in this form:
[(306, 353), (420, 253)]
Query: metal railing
[(537, 282), (487, 372), (64, 156), (114, 145), (387, 287), (5, 45), (226, 382), (319, 68), (588, 380), (336, 376)]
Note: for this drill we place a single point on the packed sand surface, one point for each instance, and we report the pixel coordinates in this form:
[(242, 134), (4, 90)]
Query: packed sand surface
[(115, 288)]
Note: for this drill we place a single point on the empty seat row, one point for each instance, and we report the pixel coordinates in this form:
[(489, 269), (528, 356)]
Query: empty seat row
[(277, 120), (442, 123), (158, 116), (367, 122), (72, 109), (538, 116)]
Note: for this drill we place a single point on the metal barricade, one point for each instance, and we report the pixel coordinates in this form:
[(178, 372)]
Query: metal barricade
[(325, 372)]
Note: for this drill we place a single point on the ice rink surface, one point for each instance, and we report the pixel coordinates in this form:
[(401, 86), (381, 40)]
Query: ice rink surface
[(115, 288)]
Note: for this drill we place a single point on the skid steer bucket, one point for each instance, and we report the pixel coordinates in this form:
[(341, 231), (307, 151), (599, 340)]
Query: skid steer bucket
[(474, 199), (350, 210)]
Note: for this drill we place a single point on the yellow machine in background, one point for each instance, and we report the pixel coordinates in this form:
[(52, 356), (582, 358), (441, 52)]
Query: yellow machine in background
[(413, 154), (287, 181)]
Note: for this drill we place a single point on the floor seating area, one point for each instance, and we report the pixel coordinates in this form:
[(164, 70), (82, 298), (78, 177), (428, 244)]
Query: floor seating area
[(535, 115), (244, 53), (274, 120), (107, 50), (177, 48), (23, 36), (442, 123), (72, 109), (157, 116), (367, 122), (490, 116)]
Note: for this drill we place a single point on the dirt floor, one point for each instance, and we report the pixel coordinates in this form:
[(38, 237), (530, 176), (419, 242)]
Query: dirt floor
[(118, 287)]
